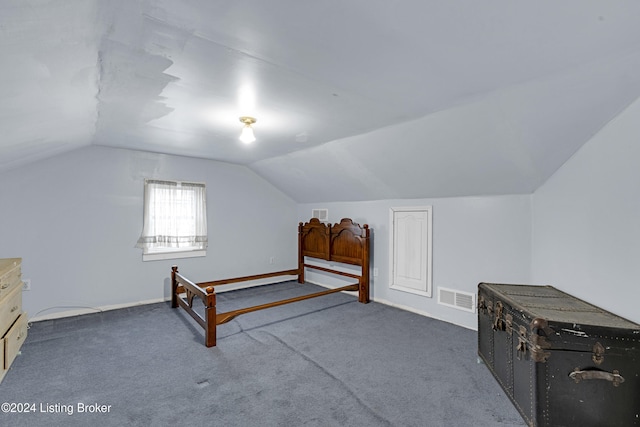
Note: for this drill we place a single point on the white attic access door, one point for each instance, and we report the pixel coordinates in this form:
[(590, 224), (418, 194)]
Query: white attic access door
[(411, 251)]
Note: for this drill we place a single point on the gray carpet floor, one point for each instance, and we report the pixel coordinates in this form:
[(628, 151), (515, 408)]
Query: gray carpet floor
[(328, 361)]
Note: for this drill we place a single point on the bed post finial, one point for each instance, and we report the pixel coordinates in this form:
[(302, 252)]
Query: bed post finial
[(174, 286), (300, 256), (363, 295)]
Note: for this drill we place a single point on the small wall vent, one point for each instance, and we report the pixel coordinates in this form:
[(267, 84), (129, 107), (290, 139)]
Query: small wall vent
[(321, 214), (457, 299)]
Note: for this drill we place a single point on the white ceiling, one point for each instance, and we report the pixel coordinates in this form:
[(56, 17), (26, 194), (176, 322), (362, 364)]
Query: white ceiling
[(355, 100)]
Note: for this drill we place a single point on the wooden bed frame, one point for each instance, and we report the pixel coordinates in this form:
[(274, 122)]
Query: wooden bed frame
[(345, 242)]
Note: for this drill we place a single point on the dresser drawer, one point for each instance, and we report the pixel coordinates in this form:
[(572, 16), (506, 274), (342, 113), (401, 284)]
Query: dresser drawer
[(2, 368), (14, 339), (10, 309), (10, 278)]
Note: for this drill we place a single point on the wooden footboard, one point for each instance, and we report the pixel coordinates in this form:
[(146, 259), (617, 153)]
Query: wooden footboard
[(205, 291), (345, 242)]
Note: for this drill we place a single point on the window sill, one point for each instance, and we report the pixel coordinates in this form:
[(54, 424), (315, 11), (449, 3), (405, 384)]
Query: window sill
[(159, 256)]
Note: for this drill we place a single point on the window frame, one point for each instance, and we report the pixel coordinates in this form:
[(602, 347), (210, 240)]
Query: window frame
[(166, 253)]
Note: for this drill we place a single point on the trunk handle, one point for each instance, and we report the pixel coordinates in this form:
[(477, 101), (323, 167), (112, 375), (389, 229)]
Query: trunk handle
[(614, 377)]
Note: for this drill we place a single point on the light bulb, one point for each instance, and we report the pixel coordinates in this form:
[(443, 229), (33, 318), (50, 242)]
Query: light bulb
[(247, 134)]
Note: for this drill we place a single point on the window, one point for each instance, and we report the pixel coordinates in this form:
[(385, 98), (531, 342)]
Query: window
[(175, 220)]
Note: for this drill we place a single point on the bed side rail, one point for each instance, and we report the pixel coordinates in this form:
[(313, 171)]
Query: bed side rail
[(248, 278), (230, 315)]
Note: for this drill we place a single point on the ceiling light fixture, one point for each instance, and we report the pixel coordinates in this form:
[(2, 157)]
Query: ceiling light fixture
[(247, 131)]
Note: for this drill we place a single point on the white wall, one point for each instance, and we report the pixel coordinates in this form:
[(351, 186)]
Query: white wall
[(75, 218), (587, 220), (475, 239)]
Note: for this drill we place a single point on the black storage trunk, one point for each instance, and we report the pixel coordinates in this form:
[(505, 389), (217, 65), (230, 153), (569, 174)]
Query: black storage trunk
[(561, 361)]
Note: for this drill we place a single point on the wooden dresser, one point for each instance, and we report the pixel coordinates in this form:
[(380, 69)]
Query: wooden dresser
[(13, 321)]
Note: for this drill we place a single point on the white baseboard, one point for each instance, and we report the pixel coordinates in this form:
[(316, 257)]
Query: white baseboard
[(77, 311), (400, 306), (421, 313), (226, 288)]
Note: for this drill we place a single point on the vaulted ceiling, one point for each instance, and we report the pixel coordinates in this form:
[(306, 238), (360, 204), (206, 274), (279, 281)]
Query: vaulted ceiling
[(354, 100)]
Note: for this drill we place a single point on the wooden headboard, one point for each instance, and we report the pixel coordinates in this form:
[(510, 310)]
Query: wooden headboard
[(345, 242)]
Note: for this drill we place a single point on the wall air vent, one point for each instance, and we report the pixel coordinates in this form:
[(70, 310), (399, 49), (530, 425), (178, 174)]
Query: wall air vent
[(457, 299), (321, 214)]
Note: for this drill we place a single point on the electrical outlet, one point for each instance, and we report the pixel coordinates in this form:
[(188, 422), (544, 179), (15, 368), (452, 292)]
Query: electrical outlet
[(272, 260), (26, 285), (375, 272)]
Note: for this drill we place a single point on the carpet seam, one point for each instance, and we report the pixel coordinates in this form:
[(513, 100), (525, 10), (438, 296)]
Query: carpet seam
[(339, 381)]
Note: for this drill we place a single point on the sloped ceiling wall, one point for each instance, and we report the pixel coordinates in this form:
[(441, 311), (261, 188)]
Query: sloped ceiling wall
[(355, 100), (48, 79), (507, 142)]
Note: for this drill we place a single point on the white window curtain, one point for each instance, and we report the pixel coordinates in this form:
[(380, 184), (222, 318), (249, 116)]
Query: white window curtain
[(175, 217)]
